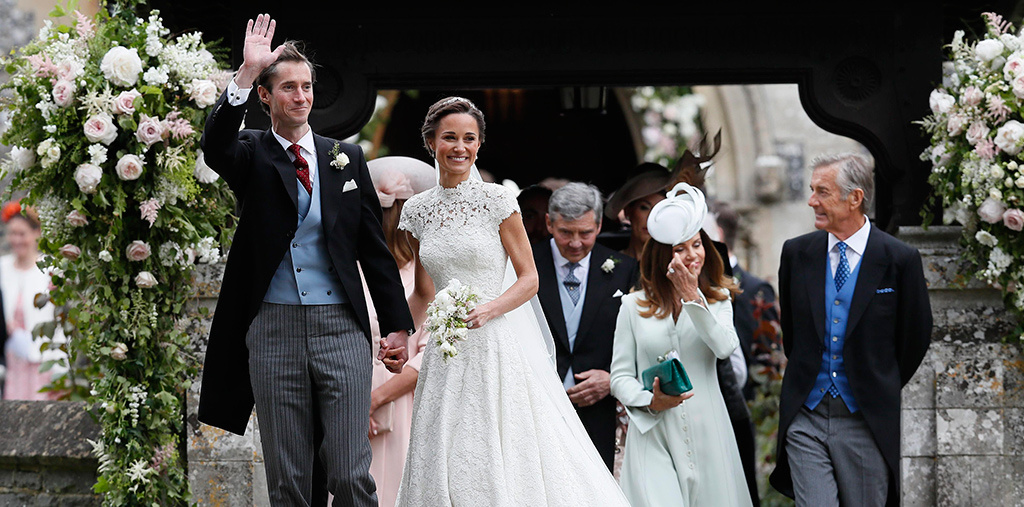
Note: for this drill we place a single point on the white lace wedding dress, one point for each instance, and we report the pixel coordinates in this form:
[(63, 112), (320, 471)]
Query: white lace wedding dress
[(486, 431)]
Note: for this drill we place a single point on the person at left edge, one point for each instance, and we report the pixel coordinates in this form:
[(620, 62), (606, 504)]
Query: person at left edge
[(291, 332)]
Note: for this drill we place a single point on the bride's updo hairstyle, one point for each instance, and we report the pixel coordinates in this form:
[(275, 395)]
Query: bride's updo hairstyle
[(445, 107)]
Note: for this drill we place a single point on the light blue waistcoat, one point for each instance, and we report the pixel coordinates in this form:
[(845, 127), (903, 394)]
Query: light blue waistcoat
[(833, 365), (306, 275)]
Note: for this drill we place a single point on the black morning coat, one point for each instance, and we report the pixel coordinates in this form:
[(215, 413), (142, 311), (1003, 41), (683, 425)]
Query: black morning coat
[(887, 336), (261, 175)]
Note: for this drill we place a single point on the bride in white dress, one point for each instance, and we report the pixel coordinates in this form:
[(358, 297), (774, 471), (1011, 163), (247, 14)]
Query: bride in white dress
[(490, 427)]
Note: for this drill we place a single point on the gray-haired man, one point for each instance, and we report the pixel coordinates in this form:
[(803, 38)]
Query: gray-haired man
[(581, 284)]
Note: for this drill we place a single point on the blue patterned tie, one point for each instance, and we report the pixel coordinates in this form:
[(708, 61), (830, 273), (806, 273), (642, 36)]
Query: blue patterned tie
[(843, 271), (572, 284)]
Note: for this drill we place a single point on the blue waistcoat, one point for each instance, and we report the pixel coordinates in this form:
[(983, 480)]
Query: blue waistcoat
[(572, 314), (306, 275), (833, 368)]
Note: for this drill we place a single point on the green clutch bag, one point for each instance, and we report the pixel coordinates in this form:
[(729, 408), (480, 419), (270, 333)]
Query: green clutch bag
[(673, 377)]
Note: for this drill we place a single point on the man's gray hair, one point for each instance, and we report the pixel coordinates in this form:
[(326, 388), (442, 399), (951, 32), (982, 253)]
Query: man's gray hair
[(575, 200), (852, 172)]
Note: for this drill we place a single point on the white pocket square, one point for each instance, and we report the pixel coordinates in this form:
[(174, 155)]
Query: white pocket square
[(349, 185), (618, 294)]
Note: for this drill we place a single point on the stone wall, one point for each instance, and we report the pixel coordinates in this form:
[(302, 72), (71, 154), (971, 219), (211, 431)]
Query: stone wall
[(963, 412), (44, 457)]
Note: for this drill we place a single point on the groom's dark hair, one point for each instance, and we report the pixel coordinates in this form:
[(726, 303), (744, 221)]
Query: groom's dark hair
[(292, 52)]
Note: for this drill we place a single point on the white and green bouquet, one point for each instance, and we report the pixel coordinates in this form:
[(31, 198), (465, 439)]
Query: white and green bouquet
[(977, 134), (446, 316)]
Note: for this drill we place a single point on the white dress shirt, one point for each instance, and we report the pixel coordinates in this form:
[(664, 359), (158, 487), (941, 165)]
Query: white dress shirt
[(855, 246), (562, 267)]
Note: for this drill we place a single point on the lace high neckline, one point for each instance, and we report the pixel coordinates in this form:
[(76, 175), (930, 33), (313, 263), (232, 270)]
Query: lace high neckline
[(466, 183)]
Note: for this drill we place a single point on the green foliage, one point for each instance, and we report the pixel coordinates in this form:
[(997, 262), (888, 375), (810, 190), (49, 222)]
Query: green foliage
[(139, 233)]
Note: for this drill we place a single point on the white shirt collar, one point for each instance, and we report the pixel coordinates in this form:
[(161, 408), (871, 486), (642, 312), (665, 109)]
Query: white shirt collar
[(856, 242), (306, 143), (561, 262)]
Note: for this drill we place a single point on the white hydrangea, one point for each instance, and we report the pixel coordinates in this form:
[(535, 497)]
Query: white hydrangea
[(207, 251), (171, 254), (156, 76)]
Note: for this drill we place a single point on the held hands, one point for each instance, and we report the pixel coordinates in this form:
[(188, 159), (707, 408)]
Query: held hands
[(664, 401), (256, 53), (592, 386), (393, 352), (684, 278), (480, 315)]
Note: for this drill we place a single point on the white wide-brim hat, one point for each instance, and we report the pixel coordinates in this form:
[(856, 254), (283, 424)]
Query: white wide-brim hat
[(399, 178), (679, 217)]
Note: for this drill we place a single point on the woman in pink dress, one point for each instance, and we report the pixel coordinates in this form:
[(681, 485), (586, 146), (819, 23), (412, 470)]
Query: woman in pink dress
[(20, 281), (395, 179)]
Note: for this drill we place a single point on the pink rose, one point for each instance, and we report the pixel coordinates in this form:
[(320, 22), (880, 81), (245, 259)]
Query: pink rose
[(137, 251), (977, 132), (88, 177), (68, 70), (1013, 219), (100, 129), (63, 93), (972, 96), (124, 103), (129, 167), (70, 251), (1018, 86), (77, 219), (955, 124), (145, 280), (991, 210), (151, 130)]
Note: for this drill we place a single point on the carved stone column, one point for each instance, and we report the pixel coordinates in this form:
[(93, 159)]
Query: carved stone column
[(963, 411)]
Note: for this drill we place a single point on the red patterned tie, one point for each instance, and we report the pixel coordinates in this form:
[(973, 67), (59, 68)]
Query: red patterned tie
[(301, 168)]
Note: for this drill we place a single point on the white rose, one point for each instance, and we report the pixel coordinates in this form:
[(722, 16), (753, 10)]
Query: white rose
[(995, 172), (121, 66), (949, 76), (124, 103), (955, 124), (461, 332), (151, 130), (129, 167), (100, 129), (145, 280), (1018, 86), (23, 157), (991, 210), (986, 239), (1020, 182), (977, 132), (941, 102), (988, 49), (88, 177), (63, 93), (69, 70), (105, 256), (972, 96), (1008, 136), (1010, 41), (1013, 66), (50, 151), (203, 172), (119, 352), (70, 251), (203, 92)]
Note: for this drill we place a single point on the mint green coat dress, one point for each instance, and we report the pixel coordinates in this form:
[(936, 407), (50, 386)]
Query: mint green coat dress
[(687, 455)]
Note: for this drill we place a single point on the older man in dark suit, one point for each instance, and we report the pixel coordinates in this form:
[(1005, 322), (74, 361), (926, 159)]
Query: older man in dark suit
[(856, 323), (581, 285), (291, 331)]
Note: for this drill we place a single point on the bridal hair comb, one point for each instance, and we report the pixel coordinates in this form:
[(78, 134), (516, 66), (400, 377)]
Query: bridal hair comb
[(452, 100)]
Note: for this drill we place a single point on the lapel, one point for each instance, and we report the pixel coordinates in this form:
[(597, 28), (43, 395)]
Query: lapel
[(597, 282), (815, 257), (872, 267), (332, 181), (547, 291), (285, 168)]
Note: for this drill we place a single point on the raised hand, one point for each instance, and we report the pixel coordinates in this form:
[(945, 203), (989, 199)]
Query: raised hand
[(256, 53), (684, 277)]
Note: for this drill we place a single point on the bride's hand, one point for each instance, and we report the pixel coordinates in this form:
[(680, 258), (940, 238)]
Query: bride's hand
[(480, 316)]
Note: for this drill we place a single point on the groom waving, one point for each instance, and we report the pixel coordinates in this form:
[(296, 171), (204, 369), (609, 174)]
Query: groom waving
[(291, 331)]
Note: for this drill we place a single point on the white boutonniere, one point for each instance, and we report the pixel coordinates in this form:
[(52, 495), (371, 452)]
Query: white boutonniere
[(338, 159), (609, 264)]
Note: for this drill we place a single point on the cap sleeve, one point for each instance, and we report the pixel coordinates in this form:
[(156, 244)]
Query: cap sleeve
[(411, 219), (502, 203)]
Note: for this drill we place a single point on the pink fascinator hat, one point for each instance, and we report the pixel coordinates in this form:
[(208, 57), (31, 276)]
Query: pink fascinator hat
[(399, 178)]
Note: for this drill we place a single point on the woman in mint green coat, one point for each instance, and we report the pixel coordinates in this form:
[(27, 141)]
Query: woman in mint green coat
[(680, 450)]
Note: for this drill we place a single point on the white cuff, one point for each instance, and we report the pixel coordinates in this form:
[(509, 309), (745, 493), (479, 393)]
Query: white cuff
[(237, 96)]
